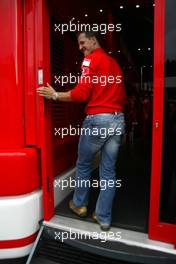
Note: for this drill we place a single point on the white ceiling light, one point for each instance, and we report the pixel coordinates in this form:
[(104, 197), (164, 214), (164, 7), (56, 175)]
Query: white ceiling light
[(139, 49), (101, 10), (86, 15), (137, 6), (121, 7)]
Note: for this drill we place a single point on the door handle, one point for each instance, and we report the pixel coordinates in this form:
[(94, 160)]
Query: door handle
[(40, 76), (156, 124)]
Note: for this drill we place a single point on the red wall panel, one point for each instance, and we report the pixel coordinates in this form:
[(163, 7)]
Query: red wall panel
[(19, 171), (11, 75)]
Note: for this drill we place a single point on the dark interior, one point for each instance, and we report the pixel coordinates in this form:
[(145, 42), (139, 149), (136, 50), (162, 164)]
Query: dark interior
[(133, 49)]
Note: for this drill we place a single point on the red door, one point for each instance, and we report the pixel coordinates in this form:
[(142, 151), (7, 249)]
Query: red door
[(162, 221), (37, 110)]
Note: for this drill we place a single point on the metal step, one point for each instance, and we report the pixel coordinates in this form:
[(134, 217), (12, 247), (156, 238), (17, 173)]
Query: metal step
[(132, 246), (64, 240)]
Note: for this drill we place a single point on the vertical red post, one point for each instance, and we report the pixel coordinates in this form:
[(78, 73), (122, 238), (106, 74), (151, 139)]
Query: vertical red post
[(158, 230)]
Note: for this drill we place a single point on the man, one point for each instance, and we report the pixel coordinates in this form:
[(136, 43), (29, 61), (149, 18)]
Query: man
[(101, 85)]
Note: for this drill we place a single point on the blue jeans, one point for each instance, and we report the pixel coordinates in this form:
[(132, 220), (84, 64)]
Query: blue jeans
[(100, 132)]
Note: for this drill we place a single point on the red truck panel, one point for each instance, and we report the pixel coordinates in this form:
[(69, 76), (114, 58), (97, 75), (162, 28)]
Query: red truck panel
[(11, 75), (19, 171)]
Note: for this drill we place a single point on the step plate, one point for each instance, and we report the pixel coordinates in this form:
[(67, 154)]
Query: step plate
[(128, 246)]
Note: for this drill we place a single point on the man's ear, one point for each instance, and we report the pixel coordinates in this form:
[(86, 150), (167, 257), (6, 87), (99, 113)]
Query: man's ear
[(94, 40)]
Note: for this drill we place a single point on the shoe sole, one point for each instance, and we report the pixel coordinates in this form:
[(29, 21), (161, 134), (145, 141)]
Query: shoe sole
[(103, 228)]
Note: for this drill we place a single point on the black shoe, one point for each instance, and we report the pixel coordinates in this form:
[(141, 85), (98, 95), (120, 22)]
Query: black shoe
[(104, 227)]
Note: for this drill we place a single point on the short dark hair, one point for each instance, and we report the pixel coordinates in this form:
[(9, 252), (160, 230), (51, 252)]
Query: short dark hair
[(89, 34)]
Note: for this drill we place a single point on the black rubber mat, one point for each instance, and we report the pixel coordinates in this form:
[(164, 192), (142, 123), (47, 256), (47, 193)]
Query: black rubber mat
[(130, 208), (62, 253), (91, 251), (14, 261), (43, 260)]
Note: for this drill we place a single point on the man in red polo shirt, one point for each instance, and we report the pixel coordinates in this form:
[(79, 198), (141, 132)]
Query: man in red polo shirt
[(101, 85)]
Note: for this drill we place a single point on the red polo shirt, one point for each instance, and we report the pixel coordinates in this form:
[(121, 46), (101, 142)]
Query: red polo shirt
[(101, 84)]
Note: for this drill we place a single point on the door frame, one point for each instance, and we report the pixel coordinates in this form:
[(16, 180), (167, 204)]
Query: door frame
[(38, 129), (158, 230)]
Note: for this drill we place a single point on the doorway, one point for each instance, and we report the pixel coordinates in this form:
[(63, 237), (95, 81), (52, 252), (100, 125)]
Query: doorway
[(132, 47)]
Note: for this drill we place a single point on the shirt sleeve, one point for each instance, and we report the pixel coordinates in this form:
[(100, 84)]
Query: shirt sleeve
[(82, 91)]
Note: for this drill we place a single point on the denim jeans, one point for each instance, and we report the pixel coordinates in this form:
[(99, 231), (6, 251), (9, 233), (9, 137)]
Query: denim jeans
[(101, 132)]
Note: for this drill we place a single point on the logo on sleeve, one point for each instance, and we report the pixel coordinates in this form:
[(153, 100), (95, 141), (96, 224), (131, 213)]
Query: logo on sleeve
[(86, 62), (85, 71)]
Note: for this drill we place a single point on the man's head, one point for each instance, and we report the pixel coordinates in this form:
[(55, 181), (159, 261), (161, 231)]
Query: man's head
[(87, 42)]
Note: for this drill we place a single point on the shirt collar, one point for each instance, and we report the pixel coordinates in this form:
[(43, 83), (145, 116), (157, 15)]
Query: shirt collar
[(97, 50)]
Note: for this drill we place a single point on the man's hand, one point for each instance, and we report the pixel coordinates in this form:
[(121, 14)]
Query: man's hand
[(47, 92)]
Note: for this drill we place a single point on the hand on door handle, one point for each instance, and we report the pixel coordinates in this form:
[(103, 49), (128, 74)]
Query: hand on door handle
[(47, 92)]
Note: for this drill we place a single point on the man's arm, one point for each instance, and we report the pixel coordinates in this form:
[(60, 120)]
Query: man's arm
[(79, 93), (49, 93), (64, 96)]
